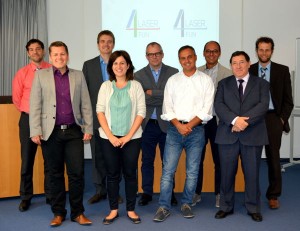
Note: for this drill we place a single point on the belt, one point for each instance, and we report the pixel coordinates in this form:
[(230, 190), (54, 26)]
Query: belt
[(65, 126), (184, 122), (24, 113), (271, 111), (153, 121)]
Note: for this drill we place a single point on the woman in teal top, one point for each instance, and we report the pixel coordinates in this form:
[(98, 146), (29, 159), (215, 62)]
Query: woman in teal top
[(121, 109)]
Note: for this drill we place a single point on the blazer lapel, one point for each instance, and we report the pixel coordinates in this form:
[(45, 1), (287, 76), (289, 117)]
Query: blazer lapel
[(51, 81), (255, 69), (220, 73), (72, 84), (161, 74), (273, 72), (249, 86), (235, 89), (149, 73)]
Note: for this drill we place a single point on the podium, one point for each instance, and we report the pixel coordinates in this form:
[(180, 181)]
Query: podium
[(10, 162)]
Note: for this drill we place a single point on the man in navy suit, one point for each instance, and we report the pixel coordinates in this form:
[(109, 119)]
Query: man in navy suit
[(153, 78), (95, 73), (280, 109), (241, 103)]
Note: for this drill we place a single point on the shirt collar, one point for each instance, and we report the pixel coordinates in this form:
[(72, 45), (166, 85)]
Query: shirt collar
[(268, 66), (245, 78), (102, 60), (34, 67), (55, 70), (215, 67), (192, 76), (155, 70)]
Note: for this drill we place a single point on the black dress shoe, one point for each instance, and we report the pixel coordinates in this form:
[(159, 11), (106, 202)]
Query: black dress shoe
[(109, 221), (96, 198), (24, 205), (145, 199), (134, 220), (256, 216), (48, 201), (174, 201), (222, 214)]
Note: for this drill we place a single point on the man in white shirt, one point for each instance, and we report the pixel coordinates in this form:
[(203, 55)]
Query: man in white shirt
[(188, 99)]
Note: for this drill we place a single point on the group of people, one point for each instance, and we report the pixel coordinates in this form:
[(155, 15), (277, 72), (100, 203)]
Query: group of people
[(121, 112)]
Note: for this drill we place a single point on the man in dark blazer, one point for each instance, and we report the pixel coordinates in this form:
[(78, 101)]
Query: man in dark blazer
[(241, 103), (95, 74), (280, 108), (153, 78)]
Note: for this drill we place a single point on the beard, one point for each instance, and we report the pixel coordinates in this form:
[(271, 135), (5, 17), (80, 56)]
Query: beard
[(264, 60), (37, 59)]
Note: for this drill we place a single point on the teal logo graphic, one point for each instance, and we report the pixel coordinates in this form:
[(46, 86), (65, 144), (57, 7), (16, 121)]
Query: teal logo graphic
[(187, 28), (142, 27)]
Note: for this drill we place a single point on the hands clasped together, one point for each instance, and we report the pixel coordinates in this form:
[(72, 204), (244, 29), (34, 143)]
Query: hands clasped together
[(118, 142), (184, 129), (240, 124)]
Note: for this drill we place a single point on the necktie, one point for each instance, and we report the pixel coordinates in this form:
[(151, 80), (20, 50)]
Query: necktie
[(241, 93), (263, 72)]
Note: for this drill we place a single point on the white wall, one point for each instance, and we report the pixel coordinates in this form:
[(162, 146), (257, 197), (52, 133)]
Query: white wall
[(241, 23)]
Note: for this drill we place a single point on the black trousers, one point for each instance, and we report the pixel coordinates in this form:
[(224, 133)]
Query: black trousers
[(210, 134), (28, 152), (65, 148), (98, 165), (118, 160), (274, 129)]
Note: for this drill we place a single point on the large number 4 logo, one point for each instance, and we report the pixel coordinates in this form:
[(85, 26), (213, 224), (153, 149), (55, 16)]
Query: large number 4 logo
[(179, 23)]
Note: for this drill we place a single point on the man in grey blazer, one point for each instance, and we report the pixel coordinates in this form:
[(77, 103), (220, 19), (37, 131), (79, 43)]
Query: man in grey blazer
[(241, 103), (211, 53), (60, 121), (95, 73), (153, 78)]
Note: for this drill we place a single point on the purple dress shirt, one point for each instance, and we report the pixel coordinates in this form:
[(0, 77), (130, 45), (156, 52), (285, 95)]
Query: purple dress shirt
[(64, 111)]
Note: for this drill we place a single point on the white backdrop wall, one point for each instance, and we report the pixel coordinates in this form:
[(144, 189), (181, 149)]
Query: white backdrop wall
[(241, 23)]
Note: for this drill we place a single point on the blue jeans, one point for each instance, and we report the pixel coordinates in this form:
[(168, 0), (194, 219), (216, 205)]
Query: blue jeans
[(175, 143)]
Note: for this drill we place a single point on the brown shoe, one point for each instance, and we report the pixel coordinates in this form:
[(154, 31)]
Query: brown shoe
[(273, 204), (82, 220), (57, 220)]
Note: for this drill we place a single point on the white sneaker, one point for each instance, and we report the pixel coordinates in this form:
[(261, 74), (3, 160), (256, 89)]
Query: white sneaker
[(196, 199), (218, 200)]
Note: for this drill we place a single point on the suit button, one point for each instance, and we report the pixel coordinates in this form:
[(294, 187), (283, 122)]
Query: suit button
[(53, 117)]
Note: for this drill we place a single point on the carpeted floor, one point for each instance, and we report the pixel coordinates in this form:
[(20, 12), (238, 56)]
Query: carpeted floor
[(286, 218)]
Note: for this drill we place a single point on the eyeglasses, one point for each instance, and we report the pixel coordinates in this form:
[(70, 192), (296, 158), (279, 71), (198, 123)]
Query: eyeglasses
[(157, 54), (214, 52)]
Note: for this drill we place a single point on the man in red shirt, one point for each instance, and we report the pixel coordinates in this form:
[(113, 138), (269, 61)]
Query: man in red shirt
[(21, 88)]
